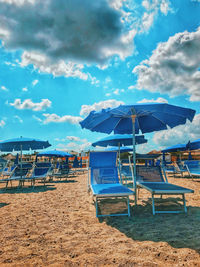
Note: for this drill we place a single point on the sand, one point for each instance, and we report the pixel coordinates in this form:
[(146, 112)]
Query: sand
[(56, 226)]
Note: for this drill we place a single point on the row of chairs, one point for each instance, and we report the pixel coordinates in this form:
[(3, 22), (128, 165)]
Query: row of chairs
[(104, 183), (28, 172)]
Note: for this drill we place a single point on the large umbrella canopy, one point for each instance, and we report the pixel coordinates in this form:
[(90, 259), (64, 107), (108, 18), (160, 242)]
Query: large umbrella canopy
[(119, 140), (22, 143), (127, 119), (148, 118), (54, 153)]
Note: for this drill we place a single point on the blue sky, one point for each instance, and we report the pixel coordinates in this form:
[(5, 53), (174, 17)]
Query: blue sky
[(59, 60)]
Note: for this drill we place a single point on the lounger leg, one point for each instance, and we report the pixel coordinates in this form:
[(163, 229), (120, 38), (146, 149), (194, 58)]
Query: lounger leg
[(184, 204), (138, 193), (96, 207), (128, 204), (153, 205)]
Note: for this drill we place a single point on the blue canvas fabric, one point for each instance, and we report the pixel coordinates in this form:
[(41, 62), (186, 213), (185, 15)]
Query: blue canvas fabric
[(149, 118), (111, 189), (175, 148), (54, 153), (102, 159), (166, 187), (122, 149), (120, 139), (22, 143)]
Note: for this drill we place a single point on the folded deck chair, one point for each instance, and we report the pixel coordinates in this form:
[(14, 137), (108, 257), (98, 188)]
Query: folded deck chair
[(104, 181), (153, 180)]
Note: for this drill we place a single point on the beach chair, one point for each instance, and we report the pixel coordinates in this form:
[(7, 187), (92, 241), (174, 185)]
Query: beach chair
[(18, 173), (155, 181), (39, 173), (125, 172), (193, 168), (104, 181)]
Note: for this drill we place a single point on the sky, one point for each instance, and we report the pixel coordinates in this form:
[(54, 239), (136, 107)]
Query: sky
[(59, 60)]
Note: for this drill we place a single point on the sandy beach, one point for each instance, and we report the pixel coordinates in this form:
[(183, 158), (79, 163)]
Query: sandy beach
[(56, 225)]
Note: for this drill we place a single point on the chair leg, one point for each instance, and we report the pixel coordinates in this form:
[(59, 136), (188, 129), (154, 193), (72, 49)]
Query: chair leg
[(128, 204), (153, 205), (184, 204)]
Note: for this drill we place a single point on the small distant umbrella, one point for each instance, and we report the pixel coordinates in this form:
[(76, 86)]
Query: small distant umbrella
[(54, 153), (122, 149)]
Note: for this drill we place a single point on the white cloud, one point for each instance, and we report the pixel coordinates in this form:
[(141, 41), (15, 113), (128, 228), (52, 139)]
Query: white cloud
[(173, 67), (4, 88), (2, 123), (73, 138), (74, 146), (25, 89), (93, 32), (108, 94), (35, 82), (158, 100), (111, 103), (180, 134), (28, 104), (61, 119), (17, 118), (131, 87), (153, 7), (37, 118), (57, 68)]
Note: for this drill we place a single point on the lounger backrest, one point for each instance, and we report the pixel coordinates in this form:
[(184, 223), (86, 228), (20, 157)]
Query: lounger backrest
[(108, 175), (40, 171), (42, 164), (149, 174), (21, 171), (102, 159), (103, 168)]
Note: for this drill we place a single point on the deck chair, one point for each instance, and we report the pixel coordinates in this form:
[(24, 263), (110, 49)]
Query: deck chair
[(193, 168), (155, 181), (19, 173), (39, 173), (125, 172), (104, 181)]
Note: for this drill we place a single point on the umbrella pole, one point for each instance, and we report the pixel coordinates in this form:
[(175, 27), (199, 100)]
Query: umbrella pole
[(119, 162), (21, 163), (134, 156)]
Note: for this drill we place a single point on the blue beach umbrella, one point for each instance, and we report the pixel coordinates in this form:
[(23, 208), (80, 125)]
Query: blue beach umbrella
[(194, 145), (54, 153), (120, 140), (131, 119), (175, 148)]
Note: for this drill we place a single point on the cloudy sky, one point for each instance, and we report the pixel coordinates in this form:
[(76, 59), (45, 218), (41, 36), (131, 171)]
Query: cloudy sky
[(59, 60)]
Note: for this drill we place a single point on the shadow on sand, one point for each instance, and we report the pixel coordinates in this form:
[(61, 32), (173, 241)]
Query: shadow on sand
[(62, 181), (25, 190), (178, 230), (3, 204)]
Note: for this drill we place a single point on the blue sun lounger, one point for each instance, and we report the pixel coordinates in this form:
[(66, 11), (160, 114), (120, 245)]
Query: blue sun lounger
[(104, 181), (155, 181), (193, 167)]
